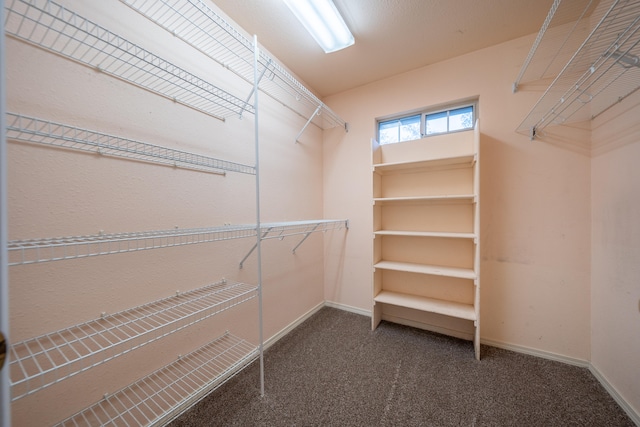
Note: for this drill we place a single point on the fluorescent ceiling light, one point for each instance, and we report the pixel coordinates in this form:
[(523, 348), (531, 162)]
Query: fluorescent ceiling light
[(323, 21)]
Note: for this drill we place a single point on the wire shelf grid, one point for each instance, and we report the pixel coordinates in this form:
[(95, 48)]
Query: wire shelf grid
[(279, 230), (34, 130), (52, 27), (199, 26), (32, 251), (63, 248), (48, 359), (165, 393), (604, 69)]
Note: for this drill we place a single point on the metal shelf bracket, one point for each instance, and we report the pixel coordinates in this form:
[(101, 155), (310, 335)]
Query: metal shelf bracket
[(315, 113)]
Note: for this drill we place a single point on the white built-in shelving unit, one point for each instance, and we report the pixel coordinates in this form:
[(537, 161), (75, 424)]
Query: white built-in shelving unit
[(426, 234), (586, 56), (45, 360)]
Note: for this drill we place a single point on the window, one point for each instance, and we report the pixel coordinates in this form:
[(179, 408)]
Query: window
[(449, 121), (427, 123), (398, 130)]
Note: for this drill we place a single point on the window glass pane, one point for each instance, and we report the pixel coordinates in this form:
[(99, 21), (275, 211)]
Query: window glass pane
[(461, 118), (436, 123), (410, 128), (388, 132)]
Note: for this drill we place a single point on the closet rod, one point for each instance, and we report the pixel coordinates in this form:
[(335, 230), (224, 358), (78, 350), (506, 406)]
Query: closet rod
[(34, 130)]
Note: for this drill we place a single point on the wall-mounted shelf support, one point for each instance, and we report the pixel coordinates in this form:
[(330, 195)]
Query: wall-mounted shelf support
[(315, 113), (34, 130), (253, 90), (305, 238), (280, 230), (253, 248)]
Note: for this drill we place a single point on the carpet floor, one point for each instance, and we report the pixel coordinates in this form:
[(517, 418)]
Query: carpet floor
[(332, 370)]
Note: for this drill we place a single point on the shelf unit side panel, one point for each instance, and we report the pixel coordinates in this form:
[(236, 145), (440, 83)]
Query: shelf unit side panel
[(377, 250), (377, 185), (376, 311), (377, 218), (476, 226)]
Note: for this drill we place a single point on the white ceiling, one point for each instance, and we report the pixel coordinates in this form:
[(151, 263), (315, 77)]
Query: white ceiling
[(392, 36)]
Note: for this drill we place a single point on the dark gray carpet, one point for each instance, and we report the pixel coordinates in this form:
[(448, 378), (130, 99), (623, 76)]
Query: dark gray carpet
[(332, 370)]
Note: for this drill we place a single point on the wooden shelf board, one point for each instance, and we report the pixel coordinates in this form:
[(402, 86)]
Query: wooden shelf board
[(452, 235), (463, 273), (383, 168), (447, 198), (447, 308)]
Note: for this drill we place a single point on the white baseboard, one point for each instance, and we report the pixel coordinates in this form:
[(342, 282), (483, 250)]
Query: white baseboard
[(348, 308), (538, 353), (635, 416)]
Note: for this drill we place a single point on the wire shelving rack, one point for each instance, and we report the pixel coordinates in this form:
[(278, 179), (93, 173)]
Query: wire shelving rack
[(43, 361), (34, 130), (603, 70), (163, 395), (31, 251), (199, 26), (52, 27), (48, 359)]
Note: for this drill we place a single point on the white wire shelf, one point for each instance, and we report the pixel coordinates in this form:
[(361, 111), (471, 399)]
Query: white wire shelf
[(63, 248), (161, 396), (280, 230), (31, 251), (52, 27), (48, 359), (34, 130), (199, 26), (603, 70)]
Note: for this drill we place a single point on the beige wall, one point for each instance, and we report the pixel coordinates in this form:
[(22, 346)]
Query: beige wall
[(535, 208), (615, 255), (559, 216), (55, 192)]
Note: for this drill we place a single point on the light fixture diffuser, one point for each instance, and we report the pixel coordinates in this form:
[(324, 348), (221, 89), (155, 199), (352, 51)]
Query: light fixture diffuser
[(324, 23)]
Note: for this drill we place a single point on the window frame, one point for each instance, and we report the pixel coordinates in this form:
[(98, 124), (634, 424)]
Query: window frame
[(423, 113)]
